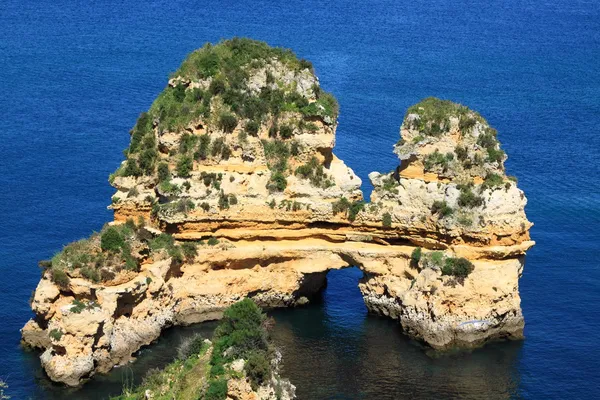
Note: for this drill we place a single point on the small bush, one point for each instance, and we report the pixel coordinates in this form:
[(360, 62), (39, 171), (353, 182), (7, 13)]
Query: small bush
[(60, 277), (212, 241), (459, 267), (77, 306), (461, 153), (227, 122), (133, 192), (90, 273), (286, 131), (340, 206), (111, 240), (217, 389), (184, 166), (258, 369), (435, 159), (468, 199), (217, 86), (277, 183), (203, 146), (492, 181), (415, 256), (442, 208), (55, 334), (355, 208), (189, 251), (387, 220), (495, 155), (252, 128)]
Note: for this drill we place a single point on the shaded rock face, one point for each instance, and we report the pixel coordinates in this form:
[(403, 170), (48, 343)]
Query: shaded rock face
[(441, 243)]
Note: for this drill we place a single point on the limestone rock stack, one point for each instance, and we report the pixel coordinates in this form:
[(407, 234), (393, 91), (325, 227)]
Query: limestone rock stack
[(230, 189)]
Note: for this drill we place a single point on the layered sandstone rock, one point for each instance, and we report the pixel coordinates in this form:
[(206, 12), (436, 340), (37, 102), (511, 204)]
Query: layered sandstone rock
[(279, 210)]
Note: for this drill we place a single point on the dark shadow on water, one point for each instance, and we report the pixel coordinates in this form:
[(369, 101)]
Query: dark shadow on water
[(334, 350)]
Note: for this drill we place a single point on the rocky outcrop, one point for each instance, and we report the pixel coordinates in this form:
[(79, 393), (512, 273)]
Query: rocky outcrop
[(235, 161)]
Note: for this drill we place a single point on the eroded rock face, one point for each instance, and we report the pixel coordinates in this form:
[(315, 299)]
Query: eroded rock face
[(284, 211)]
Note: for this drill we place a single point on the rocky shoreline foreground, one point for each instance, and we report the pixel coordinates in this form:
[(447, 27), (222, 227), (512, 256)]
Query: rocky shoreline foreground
[(230, 189)]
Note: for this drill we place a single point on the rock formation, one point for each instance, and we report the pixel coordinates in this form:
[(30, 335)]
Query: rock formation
[(231, 189)]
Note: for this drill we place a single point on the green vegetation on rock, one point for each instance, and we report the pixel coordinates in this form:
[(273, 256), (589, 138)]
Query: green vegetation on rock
[(221, 87)]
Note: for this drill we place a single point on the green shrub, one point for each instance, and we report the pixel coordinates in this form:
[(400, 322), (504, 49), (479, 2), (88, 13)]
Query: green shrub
[(189, 251), (203, 148), (217, 86), (162, 241), (390, 184), (295, 148), (436, 258), (55, 334), (187, 143), (90, 273), (169, 188), (434, 116), (212, 241), (272, 204), (492, 181), (277, 182), (226, 152), (487, 140), (163, 172), (340, 206), (442, 208), (227, 122), (60, 277), (415, 256), (233, 199), (495, 155), (461, 153), (435, 159), (465, 220), (387, 220), (286, 131), (184, 166), (217, 389), (223, 201), (355, 208), (466, 122), (133, 192), (252, 128), (112, 240), (315, 173), (146, 160), (468, 199), (77, 306), (258, 369), (459, 267)]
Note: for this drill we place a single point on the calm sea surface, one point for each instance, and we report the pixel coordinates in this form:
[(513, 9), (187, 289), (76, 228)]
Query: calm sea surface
[(74, 75)]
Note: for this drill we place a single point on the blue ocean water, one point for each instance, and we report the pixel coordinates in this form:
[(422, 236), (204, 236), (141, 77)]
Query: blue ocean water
[(75, 75)]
